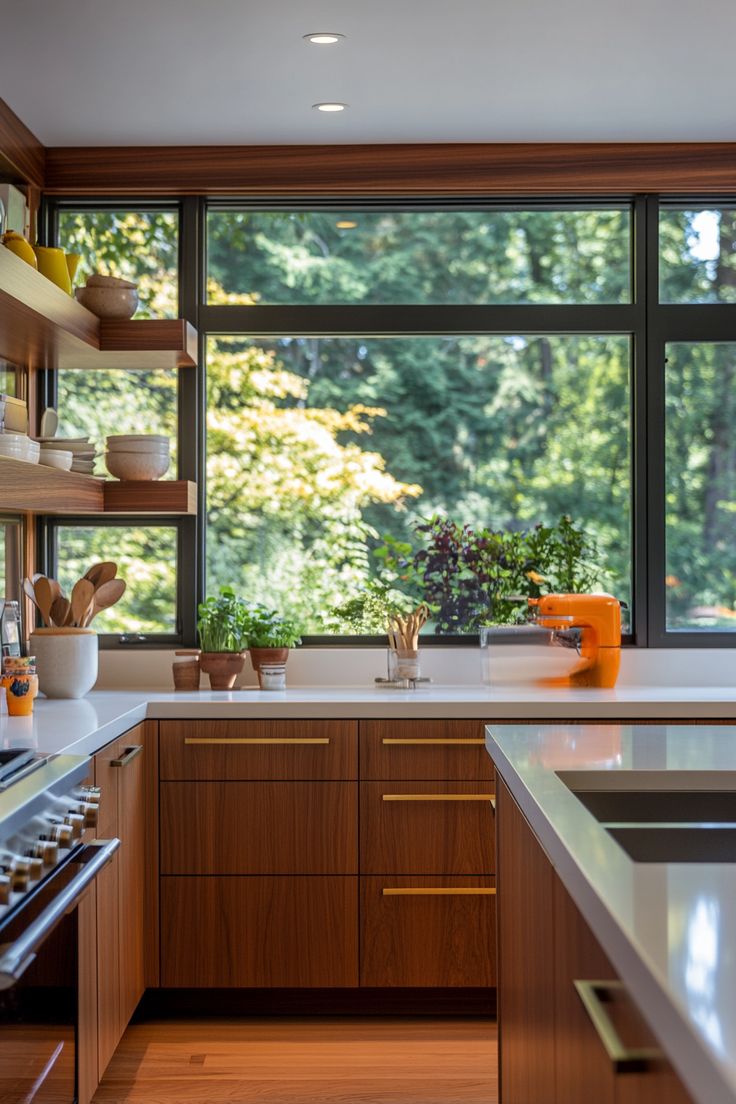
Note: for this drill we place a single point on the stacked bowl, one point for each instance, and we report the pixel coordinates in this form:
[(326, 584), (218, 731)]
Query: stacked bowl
[(18, 446), (137, 456), (79, 450)]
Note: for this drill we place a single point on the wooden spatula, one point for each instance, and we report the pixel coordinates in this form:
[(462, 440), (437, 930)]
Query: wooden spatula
[(44, 598), (61, 611), (101, 573), (81, 600), (105, 596)]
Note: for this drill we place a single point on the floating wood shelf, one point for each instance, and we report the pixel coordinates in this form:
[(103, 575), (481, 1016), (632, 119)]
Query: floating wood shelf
[(35, 488), (165, 496), (43, 327)]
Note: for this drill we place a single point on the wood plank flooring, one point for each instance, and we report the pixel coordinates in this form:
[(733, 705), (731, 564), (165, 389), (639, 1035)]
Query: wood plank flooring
[(304, 1061)]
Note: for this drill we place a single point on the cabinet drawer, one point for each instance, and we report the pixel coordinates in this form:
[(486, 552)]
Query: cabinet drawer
[(424, 749), (426, 828), (258, 749), (259, 932), (428, 932), (259, 827)]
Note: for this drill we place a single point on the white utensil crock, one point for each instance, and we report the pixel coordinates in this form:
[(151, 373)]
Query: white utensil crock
[(66, 661)]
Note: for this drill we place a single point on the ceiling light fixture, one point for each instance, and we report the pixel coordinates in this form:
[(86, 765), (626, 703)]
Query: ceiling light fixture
[(345, 224), (323, 38), (330, 106)]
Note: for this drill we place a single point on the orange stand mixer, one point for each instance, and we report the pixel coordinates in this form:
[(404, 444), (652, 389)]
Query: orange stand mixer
[(596, 620)]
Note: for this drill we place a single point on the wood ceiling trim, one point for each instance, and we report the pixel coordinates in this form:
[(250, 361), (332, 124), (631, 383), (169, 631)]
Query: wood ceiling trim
[(469, 169), (22, 157)]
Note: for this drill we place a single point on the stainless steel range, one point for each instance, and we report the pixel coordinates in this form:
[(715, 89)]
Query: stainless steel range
[(46, 864)]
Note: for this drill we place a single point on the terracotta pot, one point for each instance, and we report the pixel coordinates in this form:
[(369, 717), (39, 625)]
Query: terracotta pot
[(267, 655), (222, 667)]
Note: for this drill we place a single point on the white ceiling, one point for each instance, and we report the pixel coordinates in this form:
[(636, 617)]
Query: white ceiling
[(112, 72)]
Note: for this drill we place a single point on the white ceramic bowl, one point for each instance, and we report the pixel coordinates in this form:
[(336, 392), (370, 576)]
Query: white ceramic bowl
[(56, 458), (148, 442), (137, 465), (109, 302)]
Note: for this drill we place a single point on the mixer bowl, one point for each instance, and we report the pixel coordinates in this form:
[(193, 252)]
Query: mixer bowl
[(520, 655)]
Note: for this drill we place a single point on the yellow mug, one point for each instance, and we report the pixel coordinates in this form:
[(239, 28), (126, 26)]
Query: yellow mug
[(20, 691), (53, 265)]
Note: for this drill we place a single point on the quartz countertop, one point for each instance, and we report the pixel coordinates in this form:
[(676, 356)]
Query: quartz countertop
[(668, 928), (84, 726)]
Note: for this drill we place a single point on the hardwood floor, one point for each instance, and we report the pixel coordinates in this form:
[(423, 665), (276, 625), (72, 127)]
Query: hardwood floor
[(304, 1061)]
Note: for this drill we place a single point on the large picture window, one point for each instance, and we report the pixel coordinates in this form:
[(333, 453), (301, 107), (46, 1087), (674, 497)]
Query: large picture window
[(379, 378)]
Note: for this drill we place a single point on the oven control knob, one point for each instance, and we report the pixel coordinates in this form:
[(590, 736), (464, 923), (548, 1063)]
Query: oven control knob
[(75, 822), (91, 812), (47, 850), (91, 794), (4, 889), (20, 875), (60, 833), (35, 864)]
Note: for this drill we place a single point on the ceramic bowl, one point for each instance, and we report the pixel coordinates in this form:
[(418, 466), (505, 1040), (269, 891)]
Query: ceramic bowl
[(137, 465), (56, 458), (139, 442), (109, 302)]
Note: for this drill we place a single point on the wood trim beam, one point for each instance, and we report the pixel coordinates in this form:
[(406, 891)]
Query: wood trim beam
[(457, 169), (22, 157)]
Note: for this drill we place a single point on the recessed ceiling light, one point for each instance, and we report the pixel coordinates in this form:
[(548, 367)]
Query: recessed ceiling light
[(323, 38), (330, 106), (345, 224)]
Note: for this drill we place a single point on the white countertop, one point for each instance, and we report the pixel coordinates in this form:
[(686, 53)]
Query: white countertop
[(84, 726), (669, 929)]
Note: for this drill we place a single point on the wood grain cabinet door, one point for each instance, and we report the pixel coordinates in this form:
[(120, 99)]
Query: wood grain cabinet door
[(259, 827), (109, 1016), (427, 828), (132, 821), (400, 749), (257, 750), (427, 932), (259, 932)]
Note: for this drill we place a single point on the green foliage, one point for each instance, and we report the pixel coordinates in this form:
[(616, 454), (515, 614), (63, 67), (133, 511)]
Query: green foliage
[(222, 624), (471, 578), (369, 610), (264, 628)]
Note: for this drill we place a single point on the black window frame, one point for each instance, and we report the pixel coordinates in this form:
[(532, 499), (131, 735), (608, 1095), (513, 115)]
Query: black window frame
[(649, 324)]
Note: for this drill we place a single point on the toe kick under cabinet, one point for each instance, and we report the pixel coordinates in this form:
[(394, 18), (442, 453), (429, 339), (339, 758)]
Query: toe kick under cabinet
[(326, 854)]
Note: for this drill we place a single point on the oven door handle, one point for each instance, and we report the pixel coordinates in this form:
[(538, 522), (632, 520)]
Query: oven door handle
[(16, 957)]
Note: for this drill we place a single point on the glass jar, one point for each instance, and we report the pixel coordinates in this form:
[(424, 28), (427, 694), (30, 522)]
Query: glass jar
[(272, 676)]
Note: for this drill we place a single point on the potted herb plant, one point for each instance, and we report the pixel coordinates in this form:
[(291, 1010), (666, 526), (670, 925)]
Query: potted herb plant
[(223, 638), (269, 636)]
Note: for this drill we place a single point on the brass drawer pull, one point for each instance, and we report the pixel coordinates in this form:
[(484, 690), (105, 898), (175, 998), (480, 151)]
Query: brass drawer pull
[(623, 1059), (131, 753), (436, 743), (441, 797), (255, 740), (458, 892)]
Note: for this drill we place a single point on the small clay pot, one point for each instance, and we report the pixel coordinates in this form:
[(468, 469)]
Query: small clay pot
[(222, 667), (268, 656)]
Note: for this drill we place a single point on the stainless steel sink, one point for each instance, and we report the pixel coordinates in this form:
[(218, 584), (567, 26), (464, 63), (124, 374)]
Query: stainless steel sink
[(660, 806), (688, 843)]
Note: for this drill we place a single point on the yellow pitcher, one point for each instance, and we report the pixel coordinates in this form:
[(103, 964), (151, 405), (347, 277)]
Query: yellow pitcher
[(57, 266)]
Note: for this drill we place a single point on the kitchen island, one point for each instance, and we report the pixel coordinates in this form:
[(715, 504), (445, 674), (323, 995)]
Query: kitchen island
[(668, 929)]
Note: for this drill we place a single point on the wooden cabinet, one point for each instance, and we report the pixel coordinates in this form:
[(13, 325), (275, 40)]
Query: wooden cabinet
[(258, 750), (120, 888), (259, 932), (427, 899), (445, 750), (550, 1015), (259, 828), (427, 932), (444, 828)]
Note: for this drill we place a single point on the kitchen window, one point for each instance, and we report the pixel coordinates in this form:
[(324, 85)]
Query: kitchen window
[(366, 364)]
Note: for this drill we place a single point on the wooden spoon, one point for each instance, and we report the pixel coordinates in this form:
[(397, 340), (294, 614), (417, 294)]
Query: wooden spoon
[(29, 591), (61, 610), (105, 596), (101, 573), (44, 598), (82, 595)]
